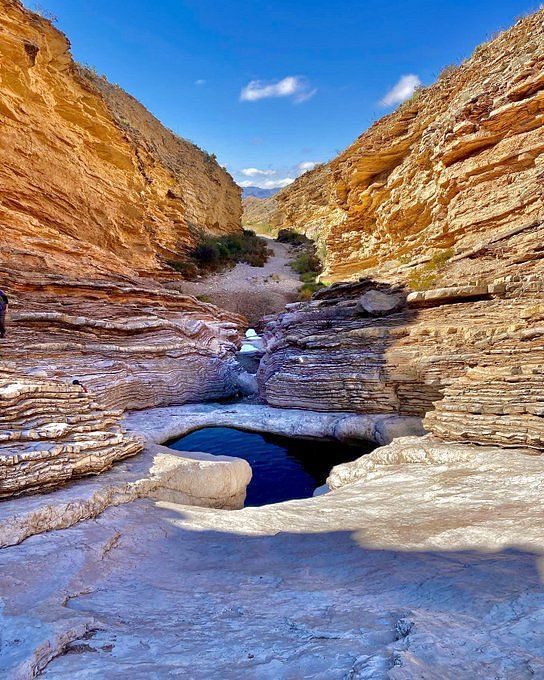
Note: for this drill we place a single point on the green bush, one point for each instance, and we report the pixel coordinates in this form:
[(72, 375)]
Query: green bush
[(307, 277), (292, 237), (307, 262), (186, 268), (308, 289), (426, 277), (206, 254), (212, 254)]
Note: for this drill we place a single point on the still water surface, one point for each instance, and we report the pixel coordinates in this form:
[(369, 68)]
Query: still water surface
[(283, 468)]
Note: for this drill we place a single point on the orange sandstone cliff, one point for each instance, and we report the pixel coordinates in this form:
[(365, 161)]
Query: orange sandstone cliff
[(456, 170), (96, 196), (89, 179), (438, 210)]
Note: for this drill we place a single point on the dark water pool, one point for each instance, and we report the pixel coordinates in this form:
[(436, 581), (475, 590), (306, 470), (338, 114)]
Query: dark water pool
[(283, 468)]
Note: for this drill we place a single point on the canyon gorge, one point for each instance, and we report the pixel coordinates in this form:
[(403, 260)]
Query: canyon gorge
[(120, 556)]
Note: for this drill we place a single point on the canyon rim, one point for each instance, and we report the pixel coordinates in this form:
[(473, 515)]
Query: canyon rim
[(122, 557)]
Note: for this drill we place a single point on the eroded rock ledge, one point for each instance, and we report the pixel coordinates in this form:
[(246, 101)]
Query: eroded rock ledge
[(161, 424), (470, 358), (51, 432), (131, 344), (197, 479)]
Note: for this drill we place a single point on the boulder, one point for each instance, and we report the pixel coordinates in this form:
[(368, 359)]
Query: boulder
[(377, 303)]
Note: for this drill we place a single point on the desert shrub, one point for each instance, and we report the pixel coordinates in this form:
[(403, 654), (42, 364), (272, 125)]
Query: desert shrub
[(422, 279), (46, 14), (292, 237), (207, 253), (204, 298), (212, 254), (186, 268), (447, 71), (440, 258), (425, 277), (307, 262), (405, 258), (413, 99), (308, 289), (307, 277)]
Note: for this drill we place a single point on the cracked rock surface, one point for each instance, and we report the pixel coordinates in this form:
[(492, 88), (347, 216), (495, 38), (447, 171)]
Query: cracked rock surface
[(422, 567)]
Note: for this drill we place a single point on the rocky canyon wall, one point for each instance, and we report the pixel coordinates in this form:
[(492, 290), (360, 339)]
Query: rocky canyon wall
[(456, 173), (95, 197), (439, 206), (91, 181)]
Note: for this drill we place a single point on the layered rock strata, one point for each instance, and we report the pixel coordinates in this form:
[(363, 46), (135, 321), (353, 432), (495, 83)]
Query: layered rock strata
[(130, 345), (442, 204), (91, 181), (133, 346), (476, 357), (97, 197), (51, 432), (456, 174)]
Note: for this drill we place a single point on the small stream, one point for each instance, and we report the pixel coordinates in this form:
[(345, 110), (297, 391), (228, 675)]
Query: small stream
[(283, 468)]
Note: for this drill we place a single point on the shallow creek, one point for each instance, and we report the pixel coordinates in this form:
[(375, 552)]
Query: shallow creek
[(284, 468)]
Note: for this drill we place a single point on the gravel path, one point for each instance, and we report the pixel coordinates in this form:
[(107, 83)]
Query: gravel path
[(251, 291)]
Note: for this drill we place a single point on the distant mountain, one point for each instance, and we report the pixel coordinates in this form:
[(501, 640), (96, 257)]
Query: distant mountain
[(257, 192)]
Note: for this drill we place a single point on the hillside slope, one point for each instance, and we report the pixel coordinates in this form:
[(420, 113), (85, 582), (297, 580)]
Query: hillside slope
[(457, 168), (95, 197), (440, 207), (110, 189)]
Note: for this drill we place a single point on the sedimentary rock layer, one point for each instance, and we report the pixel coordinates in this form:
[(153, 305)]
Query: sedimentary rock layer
[(131, 344), (455, 174), (91, 182), (442, 203), (51, 432), (482, 348)]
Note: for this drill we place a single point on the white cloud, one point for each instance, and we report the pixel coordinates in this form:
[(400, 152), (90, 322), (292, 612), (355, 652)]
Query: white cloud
[(296, 87), (268, 183), (255, 172), (306, 165), (402, 91), (200, 81)]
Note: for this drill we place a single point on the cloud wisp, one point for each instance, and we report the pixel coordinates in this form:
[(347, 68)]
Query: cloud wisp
[(268, 183), (255, 172), (274, 178), (306, 165), (200, 82), (296, 87), (403, 90)]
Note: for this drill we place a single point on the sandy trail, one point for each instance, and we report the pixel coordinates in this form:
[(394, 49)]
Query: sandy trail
[(251, 291)]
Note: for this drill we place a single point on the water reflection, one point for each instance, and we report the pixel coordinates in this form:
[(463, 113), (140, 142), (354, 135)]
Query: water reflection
[(283, 468)]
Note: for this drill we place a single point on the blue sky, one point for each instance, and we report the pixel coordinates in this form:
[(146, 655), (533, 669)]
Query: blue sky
[(275, 85)]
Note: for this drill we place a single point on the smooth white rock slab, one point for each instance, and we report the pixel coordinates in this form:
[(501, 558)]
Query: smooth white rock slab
[(191, 478), (423, 566), (199, 479), (162, 424)]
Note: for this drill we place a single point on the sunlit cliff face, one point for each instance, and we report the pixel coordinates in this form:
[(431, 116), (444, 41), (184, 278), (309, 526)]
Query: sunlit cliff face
[(91, 182), (457, 169)]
